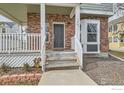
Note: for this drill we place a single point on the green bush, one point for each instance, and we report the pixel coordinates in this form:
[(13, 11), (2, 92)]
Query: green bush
[(37, 63), (5, 67), (26, 67)]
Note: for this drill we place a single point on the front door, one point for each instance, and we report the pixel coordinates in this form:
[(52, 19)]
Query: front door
[(58, 36), (90, 30)]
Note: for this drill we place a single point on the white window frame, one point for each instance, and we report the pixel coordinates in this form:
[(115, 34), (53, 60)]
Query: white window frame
[(111, 26), (84, 23), (115, 30), (109, 39)]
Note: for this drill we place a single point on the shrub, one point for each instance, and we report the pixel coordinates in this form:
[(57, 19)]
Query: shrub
[(5, 68), (37, 63), (26, 67)]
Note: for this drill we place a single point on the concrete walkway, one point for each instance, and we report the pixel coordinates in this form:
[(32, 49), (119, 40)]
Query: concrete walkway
[(66, 77)]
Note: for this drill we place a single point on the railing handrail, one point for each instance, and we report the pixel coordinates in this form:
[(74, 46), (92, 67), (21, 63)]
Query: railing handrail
[(79, 51), (20, 42), (20, 33), (78, 42), (43, 54)]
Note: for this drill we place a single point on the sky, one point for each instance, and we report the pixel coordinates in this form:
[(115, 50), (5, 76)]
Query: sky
[(4, 19)]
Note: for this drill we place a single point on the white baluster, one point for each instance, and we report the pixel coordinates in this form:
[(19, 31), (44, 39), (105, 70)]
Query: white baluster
[(26, 42), (23, 41), (31, 43), (3, 42), (34, 42), (12, 44)]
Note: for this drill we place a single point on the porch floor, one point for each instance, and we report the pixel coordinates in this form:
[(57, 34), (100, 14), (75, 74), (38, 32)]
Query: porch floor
[(66, 77)]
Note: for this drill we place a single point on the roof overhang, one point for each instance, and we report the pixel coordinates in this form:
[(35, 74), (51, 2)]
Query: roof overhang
[(116, 20), (95, 12), (63, 4)]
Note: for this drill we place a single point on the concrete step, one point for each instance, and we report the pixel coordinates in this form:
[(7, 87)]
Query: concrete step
[(90, 55), (61, 55), (58, 63)]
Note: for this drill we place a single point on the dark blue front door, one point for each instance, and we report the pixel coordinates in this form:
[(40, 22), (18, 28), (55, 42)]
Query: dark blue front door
[(58, 35)]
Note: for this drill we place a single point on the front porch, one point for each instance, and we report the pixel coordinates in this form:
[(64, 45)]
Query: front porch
[(62, 33)]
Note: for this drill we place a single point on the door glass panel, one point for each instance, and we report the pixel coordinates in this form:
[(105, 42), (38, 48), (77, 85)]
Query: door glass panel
[(92, 48), (92, 38), (91, 32), (91, 27)]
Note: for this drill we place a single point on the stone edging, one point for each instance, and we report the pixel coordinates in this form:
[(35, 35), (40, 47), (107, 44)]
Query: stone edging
[(116, 57)]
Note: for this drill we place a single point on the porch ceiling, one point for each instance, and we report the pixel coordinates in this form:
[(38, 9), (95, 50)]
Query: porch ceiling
[(50, 9), (58, 10), (18, 12), (15, 12)]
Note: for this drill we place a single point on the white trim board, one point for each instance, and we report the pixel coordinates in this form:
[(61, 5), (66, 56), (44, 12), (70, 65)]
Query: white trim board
[(95, 12)]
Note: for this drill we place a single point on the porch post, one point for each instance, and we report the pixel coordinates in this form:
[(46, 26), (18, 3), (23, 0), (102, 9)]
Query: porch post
[(77, 22), (42, 32), (0, 39)]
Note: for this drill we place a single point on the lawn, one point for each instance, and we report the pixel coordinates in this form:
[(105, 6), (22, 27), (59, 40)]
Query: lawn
[(118, 54)]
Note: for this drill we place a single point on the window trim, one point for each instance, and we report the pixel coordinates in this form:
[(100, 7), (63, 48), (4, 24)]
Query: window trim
[(47, 25), (111, 39), (111, 27), (114, 28)]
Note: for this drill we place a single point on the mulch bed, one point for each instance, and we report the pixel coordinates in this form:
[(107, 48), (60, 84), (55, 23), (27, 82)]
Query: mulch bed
[(105, 71), (18, 70), (17, 76)]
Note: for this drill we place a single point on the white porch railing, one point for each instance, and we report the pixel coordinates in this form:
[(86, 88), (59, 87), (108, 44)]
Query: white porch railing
[(15, 42), (79, 52)]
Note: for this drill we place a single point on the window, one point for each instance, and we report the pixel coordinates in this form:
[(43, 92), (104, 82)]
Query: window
[(115, 39), (110, 39), (121, 39), (110, 28), (91, 32), (115, 27), (47, 33), (92, 27), (92, 38), (93, 47), (3, 30)]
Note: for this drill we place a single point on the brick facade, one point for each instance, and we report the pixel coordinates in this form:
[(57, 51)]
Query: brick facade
[(34, 26), (33, 22)]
